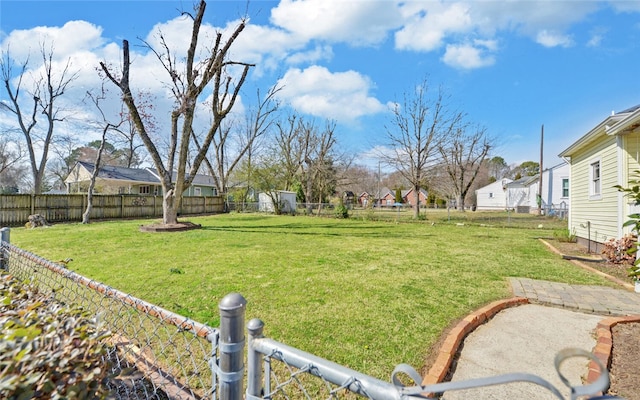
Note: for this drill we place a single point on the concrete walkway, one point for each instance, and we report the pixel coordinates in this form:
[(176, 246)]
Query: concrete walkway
[(588, 299), (527, 338)]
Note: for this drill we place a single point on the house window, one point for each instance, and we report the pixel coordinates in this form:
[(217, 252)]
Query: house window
[(491, 195), (144, 189), (197, 191), (565, 187), (121, 190), (595, 178)]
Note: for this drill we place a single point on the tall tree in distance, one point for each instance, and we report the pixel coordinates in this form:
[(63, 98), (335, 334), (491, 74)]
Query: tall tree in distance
[(463, 153), (10, 156), (43, 99), (498, 168), (419, 126), (241, 137), (188, 80)]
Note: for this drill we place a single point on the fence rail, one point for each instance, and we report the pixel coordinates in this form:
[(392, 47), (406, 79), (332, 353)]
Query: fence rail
[(16, 208), (182, 359)]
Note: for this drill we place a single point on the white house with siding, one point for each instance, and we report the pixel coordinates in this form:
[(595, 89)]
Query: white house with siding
[(493, 196), (522, 194), (604, 157)]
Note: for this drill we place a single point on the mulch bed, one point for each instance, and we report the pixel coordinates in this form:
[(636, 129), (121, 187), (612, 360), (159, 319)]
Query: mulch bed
[(625, 361)]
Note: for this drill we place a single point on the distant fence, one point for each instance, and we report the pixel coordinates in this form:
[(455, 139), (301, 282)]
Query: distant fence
[(16, 208), (178, 358)]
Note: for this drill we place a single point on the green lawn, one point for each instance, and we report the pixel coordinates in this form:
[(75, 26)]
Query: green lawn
[(366, 294)]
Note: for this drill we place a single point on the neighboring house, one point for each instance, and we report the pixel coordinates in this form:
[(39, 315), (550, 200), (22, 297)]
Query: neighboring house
[(555, 189), (604, 157), (286, 201), (493, 196), (522, 194), (409, 197), (383, 197), (121, 180), (387, 198)]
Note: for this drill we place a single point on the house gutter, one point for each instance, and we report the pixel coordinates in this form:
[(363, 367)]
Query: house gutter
[(628, 124)]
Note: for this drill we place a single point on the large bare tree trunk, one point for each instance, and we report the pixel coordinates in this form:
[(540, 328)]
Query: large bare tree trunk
[(186, 86)]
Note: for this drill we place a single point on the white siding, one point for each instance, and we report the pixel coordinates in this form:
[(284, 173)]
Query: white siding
[(492, 196)]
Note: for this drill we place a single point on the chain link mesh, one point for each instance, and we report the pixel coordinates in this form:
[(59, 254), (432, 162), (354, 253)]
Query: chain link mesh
[(288, 382), (157, 354)]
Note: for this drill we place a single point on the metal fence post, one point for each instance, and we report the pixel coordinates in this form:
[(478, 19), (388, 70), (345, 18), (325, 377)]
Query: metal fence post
[(231, 346), (254, 361), (4, 237)]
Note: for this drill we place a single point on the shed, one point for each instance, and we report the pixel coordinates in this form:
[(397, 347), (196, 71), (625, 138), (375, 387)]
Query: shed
[(286, 201)]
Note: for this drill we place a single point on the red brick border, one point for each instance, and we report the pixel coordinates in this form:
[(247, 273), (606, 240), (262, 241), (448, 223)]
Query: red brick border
[(604, 344), (452, 342)]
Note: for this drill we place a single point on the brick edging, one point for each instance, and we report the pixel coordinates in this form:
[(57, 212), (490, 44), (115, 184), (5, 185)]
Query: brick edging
[(449, 348), (604, 344), (582, 265)]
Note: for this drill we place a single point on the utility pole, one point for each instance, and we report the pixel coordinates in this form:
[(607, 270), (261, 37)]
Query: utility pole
[(539, 197)]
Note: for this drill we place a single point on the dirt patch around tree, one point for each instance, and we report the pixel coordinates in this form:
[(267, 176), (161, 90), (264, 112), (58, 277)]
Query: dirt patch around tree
[(179, 227)]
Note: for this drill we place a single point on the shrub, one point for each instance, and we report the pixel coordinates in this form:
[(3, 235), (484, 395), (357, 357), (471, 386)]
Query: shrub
[(620, 251), (341, 211), (47, 349)]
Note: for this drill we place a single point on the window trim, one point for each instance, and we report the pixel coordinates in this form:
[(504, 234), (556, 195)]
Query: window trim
[(593, 193), (562, 188)]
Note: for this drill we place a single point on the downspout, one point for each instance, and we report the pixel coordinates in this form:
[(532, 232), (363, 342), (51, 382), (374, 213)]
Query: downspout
[(569, 218), (622, 172)]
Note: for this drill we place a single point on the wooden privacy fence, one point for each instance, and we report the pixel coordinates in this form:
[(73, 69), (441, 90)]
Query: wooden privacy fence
[(16, 208)]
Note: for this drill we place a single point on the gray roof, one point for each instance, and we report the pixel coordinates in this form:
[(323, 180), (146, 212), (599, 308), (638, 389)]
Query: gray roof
[(144, 175), (122, 173), (629, 110)]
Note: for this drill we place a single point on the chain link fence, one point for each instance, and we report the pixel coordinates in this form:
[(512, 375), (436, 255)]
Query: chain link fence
[(169, 354), (176, 358)]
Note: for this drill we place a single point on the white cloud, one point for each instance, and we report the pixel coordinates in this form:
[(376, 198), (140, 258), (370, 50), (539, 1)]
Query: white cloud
[(429, 23), (314, 55), (340, 96), (353, 22), (553, 39), (470, 56), (625, 6), (72, 37)]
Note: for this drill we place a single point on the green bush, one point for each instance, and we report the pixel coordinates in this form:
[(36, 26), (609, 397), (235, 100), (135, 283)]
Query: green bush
[(48, 350), (565, 235), (341, 211)]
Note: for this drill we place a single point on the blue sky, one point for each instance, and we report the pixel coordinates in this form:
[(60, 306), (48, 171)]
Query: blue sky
[(512, 66)]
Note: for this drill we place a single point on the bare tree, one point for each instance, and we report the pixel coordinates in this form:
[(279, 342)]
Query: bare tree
[(257, 123), (186, 87), (106, 127), (419, 126), (463, 153), (43, 100), (307, 156), (317, 170), (290, 149), (133, 146), (11, 155)]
